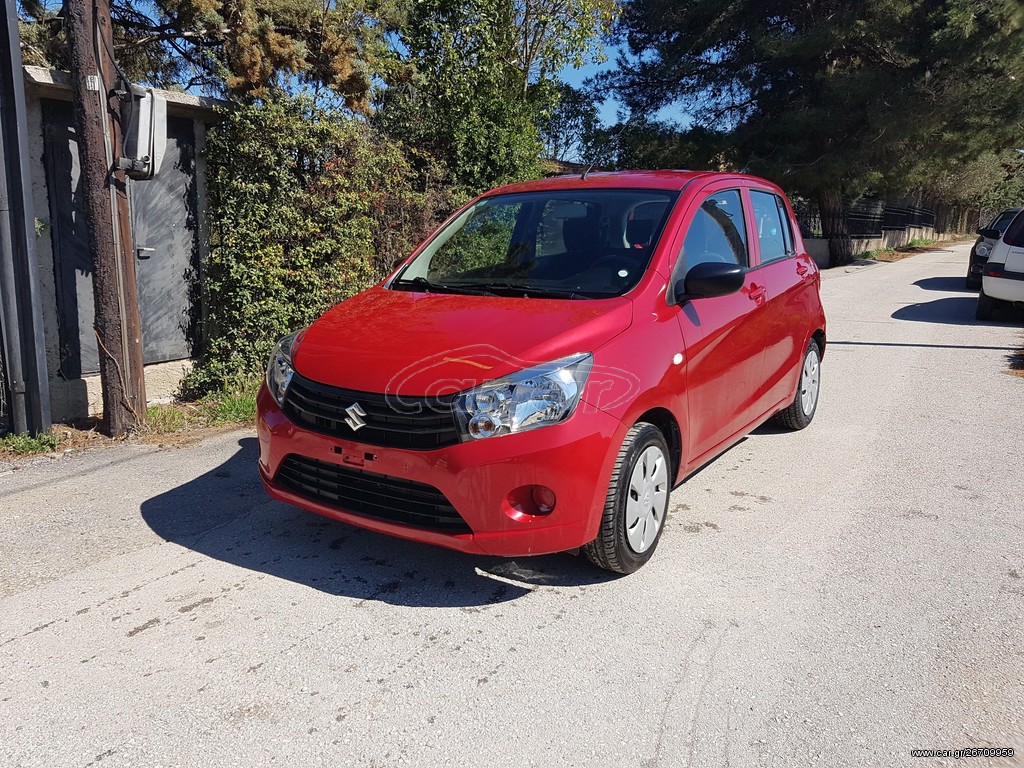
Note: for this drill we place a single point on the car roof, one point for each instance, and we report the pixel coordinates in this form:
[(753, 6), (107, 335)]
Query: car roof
[(670, 180)]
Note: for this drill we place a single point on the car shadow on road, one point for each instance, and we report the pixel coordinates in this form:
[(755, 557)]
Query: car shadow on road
[(225, 514), (957, 310), (947, 284)]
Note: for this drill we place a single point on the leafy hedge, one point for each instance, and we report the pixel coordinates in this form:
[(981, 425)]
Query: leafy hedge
[(306, 208)]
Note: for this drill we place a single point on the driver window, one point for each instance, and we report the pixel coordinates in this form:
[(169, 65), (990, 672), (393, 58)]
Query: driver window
[(717, 233)]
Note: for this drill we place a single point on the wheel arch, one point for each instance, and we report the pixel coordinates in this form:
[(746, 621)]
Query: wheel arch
[(819, 338), (665, 421)]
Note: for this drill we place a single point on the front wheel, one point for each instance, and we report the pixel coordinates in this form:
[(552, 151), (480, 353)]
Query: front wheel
[(637, 502), (800, 412)]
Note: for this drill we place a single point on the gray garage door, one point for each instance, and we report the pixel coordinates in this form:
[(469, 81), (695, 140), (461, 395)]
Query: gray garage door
[(165, 227)]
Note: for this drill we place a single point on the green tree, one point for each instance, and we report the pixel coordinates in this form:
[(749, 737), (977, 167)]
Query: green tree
[(477, 79), (247, 48), (570, 125), (834, 99), (655, 144)]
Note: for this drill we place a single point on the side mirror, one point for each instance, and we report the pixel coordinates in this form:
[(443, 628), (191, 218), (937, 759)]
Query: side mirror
[(990, 234), (709, 279)]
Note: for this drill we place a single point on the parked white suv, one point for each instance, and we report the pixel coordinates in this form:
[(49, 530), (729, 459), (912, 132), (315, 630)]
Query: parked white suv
[(1002, 281)]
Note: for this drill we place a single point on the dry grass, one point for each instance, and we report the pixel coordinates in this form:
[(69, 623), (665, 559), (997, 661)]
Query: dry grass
[(171, 424), (910, 249)]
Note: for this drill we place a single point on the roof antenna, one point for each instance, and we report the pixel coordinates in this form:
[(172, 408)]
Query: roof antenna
[(610, 138)]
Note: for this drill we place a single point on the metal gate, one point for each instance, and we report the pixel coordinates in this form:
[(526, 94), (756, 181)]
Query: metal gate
[(165, 231)]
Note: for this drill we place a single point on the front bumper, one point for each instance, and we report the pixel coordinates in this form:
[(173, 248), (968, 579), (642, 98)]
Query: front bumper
[(574, 459)]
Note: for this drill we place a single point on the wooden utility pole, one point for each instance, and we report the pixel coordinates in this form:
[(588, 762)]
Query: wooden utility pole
[(97, 113)]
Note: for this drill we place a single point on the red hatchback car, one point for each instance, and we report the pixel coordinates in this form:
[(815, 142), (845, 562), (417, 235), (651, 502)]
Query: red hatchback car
[(549, 364)]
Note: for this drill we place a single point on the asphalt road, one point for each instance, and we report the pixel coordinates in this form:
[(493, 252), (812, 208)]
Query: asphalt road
[(837, 596)]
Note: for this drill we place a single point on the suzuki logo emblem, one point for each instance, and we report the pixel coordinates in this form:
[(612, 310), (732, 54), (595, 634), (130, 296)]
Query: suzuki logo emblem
[(354, 418)]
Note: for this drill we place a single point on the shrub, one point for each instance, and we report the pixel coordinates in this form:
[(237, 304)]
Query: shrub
[(307, 208)]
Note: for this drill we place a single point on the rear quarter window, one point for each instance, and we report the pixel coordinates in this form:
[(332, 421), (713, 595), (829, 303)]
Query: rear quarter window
[(771, 220), (1015, 232)]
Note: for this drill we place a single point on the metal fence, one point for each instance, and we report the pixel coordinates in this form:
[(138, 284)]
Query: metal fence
[(866, 217)]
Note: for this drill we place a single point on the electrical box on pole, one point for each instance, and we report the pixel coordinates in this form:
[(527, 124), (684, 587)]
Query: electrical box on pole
[(144, 129)]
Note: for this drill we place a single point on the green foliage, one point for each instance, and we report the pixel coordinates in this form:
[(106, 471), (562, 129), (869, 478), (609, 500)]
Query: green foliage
[(44, 442), (163, 419), (235, 405), (477, 79), (648, 144), (307, 208), (834, 98), (1007, 191), (456, 101), (569, 125), (248, 48)]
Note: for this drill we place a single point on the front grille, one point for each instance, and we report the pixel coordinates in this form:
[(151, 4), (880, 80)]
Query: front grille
[(365, 493), (416, 423)]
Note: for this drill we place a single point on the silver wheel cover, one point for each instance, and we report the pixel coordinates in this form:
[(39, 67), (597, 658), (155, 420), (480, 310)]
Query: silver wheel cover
[(810, 380), (647, 499)]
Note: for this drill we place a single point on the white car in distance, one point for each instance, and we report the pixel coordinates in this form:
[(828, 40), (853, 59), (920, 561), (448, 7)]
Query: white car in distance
[(1002, 281)]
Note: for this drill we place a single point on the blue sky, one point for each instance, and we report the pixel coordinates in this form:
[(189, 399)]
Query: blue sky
[(575, 77), (609, 109)]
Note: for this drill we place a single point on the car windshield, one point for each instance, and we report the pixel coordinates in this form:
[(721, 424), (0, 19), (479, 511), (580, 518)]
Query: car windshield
[(564, 243)]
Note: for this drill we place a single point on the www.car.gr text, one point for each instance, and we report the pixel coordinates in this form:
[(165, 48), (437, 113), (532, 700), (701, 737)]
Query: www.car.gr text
[(964, 752)]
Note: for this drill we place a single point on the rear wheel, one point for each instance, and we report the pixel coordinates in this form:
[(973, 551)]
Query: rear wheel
[(800, 412), (985, 306), (973, 282), (637, 502)]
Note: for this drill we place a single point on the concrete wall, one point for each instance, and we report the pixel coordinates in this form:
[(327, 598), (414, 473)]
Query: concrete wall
[(817, 247), (75, 398), (162, 381)]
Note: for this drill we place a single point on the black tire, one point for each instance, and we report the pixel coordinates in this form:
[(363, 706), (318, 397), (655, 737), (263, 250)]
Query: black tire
[(985, 306), (801, 411), (972, 283), (612, 549)]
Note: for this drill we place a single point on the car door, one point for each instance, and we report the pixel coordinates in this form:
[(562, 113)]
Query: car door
[(789, 279), (721, 335)]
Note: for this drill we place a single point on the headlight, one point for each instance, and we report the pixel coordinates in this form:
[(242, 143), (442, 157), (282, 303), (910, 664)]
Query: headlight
[(984, 249), (537, 397), (279, 369)]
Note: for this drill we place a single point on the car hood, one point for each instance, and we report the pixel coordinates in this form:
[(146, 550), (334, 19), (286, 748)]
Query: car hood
[(412, 343)]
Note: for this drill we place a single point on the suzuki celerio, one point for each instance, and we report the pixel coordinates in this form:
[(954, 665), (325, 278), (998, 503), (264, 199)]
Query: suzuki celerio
[(543, 370)]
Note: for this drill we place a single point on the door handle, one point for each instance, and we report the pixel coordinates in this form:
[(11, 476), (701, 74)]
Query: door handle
[(802, 269), (142, 252), (756, 293)]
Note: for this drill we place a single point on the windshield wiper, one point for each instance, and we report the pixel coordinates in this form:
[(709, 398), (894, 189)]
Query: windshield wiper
[(423, 284), (517, 289)]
